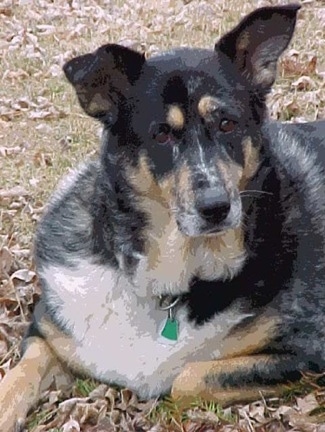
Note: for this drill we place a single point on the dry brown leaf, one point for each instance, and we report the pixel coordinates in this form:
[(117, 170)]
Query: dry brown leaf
[(99, 391), (128, 399), (8, 151), (13, 75), (67, 405), (13, 192), (45, 29), (49, 114), (71, 426), (6, 10), (111, 395), (23, 275), (307, 404), (292, 66), (3, 347), (304, 83), (6, 262)]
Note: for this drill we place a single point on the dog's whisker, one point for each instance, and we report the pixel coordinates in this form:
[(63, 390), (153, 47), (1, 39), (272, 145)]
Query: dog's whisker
[(253, 193)]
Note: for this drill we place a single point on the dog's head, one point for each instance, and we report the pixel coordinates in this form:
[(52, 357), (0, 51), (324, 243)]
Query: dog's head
[(184, 126)]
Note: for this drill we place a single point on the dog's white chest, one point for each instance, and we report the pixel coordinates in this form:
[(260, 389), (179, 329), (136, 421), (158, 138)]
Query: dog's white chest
[(117, 332)]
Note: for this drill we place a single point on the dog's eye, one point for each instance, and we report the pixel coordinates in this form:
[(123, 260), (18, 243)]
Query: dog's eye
[(227, 126), (161, 133)]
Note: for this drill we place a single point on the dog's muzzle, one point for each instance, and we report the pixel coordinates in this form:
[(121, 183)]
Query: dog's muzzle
[(213, 205), (212, 212)]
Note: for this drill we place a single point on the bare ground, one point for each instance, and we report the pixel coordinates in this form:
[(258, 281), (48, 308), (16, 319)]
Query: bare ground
[(43, 133)]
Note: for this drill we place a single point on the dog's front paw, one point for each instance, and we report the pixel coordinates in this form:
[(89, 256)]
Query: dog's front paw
[(205, 380), (17, 394), (190, 383), (11, 420), (19, 425)]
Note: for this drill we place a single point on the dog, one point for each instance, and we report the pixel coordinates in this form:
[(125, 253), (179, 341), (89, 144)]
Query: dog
[(189, 257)]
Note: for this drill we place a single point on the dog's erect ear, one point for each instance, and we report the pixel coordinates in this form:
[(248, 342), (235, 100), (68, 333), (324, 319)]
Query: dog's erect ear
[(255, 45), (102, 79)]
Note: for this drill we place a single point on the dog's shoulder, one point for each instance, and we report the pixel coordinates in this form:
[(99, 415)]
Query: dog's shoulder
[(311, 134), (298, 149), (66, 222), (298, 157), (78, 183)]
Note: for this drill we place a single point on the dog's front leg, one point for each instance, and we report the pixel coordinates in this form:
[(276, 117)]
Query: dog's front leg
[(232, 380), (21, 387)]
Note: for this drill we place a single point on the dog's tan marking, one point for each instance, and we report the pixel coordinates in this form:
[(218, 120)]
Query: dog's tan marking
[(168, 252), (175, 117), (243, 42), (166, 248), (171, 255), (251, 162), (21, 387), (252, 338), (230, 172), (234, 174), (207, 104), (61, 343), (98, 104), (194, 382), (239, 351), (259, 71), (144, 183)]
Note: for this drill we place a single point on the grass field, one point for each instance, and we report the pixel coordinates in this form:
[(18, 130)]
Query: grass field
[(43, 133)]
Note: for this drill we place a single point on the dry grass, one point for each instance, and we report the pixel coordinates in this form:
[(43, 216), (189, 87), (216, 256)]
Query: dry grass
[(44, 132)]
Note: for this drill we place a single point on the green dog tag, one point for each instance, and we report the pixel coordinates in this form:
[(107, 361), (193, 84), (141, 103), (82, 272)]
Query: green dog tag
[(170, 330)]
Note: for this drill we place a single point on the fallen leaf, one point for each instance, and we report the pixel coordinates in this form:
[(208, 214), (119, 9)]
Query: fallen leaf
[(71, 426), (6, 261), (304, 83), (13, 192), (24, 275), (307, 404)]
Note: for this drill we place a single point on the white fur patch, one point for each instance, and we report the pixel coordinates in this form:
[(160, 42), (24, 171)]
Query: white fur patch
[(117, 332)]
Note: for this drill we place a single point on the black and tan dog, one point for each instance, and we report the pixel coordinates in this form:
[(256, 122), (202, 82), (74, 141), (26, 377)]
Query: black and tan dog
[(190, 256)]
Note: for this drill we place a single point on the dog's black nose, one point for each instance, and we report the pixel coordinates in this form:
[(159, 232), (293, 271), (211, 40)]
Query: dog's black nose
[(213, 205)]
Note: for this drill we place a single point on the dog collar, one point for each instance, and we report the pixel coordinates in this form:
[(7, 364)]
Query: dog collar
[(169, 329)]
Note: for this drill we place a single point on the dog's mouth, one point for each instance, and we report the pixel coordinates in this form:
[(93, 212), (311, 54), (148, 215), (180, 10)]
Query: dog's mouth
[(193, 231)]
